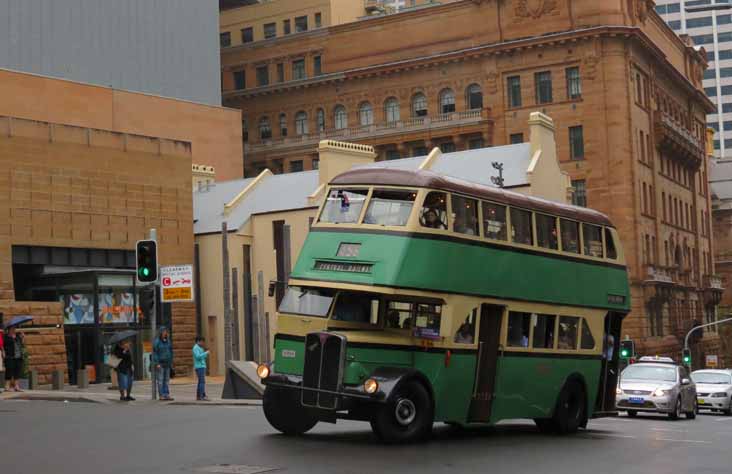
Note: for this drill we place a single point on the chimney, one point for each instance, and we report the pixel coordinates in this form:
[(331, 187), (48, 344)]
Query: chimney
[(541, 132), (337, 157)]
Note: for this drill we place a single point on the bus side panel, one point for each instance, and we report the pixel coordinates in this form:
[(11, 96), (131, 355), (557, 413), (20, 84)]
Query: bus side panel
[(528, 387), (361, 361), (452, 385)]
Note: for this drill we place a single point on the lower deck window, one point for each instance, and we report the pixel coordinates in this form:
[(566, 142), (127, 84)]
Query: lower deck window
[(543, 331), (356, 308), (587, 341), (518, 329), (466, 332), (307, 301), (568, 328)]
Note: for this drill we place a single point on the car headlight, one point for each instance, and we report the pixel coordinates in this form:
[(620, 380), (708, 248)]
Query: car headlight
[(618, 391), (719, 395), (263, 371), (370, 386), (660, 393)]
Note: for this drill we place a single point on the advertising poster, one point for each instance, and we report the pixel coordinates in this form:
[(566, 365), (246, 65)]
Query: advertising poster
[(78, 308)]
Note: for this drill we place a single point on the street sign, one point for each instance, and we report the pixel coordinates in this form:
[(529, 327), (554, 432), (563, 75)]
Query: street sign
[(176, 283), (712, 362)]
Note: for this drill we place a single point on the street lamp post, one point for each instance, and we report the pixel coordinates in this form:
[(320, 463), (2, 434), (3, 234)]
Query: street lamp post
[(686, 339)]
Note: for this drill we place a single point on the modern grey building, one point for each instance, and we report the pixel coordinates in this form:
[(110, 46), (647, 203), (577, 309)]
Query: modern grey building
[(163, 47), (709, 23)]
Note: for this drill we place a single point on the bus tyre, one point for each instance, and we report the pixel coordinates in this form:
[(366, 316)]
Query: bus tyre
[(285, 413), (676, 414), (406, 417), (570, 412)]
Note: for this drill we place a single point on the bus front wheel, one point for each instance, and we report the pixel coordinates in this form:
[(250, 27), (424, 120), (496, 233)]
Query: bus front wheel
[(285, 413), (406, 417)]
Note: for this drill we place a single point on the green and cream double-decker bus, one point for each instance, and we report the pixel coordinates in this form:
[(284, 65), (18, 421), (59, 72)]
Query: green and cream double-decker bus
[(419, 298)]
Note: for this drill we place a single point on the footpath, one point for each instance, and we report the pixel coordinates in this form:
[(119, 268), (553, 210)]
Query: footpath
[(182, 389)]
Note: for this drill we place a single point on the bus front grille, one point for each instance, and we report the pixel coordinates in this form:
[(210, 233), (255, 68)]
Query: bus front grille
[(323, 369)]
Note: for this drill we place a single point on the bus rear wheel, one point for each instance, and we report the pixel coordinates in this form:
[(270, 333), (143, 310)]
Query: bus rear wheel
[(406, 417), (285, 413), (569, 413)]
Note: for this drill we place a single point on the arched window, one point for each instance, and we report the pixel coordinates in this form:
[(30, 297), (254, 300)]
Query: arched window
[(265, 130), (365, 114), (320, 117), (340, 117), (419, 105), (391, 109), (474, 97), (447, 101), (283, 125), (301, 123)]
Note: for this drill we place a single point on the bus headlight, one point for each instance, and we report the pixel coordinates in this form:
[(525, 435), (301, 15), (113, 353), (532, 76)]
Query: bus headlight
[(263, 371), (370, 386)]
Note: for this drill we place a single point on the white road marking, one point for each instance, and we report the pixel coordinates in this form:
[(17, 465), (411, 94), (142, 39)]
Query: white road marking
[(668, 429), (684, 440), (612, 435), (727, 418)]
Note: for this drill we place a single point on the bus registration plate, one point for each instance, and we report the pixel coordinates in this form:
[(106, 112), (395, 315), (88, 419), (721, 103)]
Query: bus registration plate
[(636, 399)]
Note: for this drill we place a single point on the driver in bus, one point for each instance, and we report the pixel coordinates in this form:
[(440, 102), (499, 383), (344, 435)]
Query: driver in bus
[(431, 219)]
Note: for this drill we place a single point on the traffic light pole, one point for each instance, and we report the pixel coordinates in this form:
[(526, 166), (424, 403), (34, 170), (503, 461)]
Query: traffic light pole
[(686, 339), (153, 326)]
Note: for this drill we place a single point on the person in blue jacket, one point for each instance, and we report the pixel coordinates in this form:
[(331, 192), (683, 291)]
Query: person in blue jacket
[(163, 360), (200, 354)]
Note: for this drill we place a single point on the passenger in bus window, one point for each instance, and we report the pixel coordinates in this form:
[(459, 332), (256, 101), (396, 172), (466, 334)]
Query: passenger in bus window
[(392, 319), (465, 333), (434, 211), (494, 221), (570, 236)]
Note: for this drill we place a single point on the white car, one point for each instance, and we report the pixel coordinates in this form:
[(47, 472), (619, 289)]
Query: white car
[(656, 384), (714, 389)]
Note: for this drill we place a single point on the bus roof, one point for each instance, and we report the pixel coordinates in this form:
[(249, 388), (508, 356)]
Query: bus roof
[(430, 179)]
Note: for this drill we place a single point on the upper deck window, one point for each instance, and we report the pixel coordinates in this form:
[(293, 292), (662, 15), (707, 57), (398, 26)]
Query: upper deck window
[(465, 212), (521, 228), (610, 250), (546, 231), (570, 236), (307, 301), (343, 206), (390, 207), (494, 221), (434, 211), (592, 240)]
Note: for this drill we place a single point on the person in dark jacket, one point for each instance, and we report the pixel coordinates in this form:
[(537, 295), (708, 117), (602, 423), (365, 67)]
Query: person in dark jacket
[(13, 348), (125, 370), (163, 360)]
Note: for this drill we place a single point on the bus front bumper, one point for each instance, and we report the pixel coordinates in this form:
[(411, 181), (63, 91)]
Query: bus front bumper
[(350, 395)]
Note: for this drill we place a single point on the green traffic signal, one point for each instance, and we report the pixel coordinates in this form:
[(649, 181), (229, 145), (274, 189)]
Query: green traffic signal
[(625, 353), (147, 261)]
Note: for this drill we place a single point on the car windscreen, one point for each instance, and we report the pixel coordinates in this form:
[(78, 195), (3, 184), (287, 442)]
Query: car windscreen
[(640, 372), (307, 301), (711, 377)]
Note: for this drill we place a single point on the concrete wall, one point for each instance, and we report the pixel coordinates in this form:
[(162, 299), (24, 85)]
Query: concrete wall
[(163, 47)]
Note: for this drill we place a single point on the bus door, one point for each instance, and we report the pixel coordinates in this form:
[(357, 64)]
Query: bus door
[(485, 372), (609, 377)]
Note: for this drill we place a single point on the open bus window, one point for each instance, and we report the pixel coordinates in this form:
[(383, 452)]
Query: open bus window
[(587, 341), (570, 236), (543, 331), (307, 301), (546, 231), (465, 213), (521, 231), (568, 328), (389, 207), (343, 206), (427, 320), (466, 332), (356, 308), (518, 329), (399, 315), (494, 221), (610, 250), (434, 211), (592, 239)]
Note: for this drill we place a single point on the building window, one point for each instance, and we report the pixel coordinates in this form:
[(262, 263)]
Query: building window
[(247, 35), (574, 85), (317, 66), (576, 143), (301, 123), (298, 69), (392, 154), (245, 130), (475, 143), (225, 39), (340, 117), (320, 119), (280, 72), (447, 101), (239, 80), (365, 114), (301, 24), (262, 75), (474, 97), (315, 165), (513, 86), (543, 83), (419, 105), (286, 27), (265, 131), (283, 125), (318, 20), (447, 147), (270, 30), (579, 196), (419, 151), (391, 110), (516, 138), (296, 166)]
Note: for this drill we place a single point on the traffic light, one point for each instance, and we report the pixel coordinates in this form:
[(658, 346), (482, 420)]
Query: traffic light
[(627, 349), (147, 300), (686, 356), (147, 261)]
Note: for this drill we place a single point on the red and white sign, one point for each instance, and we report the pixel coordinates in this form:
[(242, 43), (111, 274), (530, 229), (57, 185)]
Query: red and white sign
[(176, 283)]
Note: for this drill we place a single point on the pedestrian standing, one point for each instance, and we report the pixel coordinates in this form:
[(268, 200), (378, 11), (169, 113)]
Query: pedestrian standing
[(200, 354), (163, 360), (2, 357), (13, 348), (125, 370)]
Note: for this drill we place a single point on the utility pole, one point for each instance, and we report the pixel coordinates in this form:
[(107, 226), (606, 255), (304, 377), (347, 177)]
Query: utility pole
[(686, 339), (153, 235), (227, 291)]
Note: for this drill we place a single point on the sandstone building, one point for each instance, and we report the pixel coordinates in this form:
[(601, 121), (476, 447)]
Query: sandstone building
[(624, 90)]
